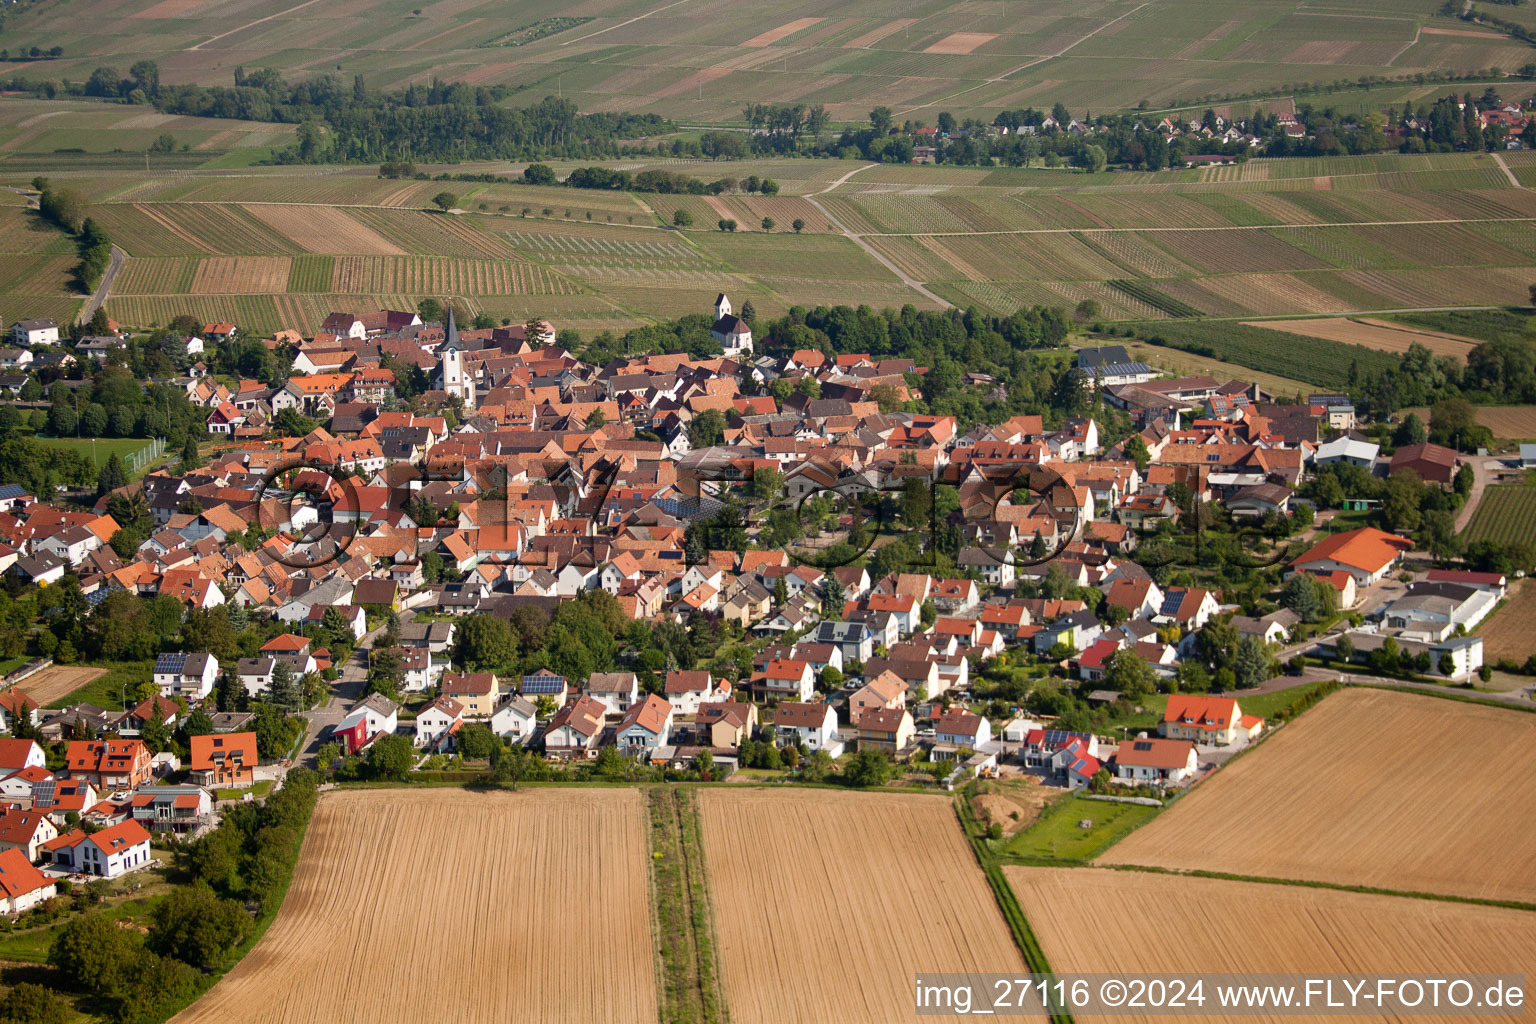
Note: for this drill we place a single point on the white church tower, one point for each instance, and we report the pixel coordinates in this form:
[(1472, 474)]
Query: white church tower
[(450, 366), (733, 333)]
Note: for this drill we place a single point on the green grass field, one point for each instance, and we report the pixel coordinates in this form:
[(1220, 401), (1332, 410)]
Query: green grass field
[(1057, 835), (100, 449)]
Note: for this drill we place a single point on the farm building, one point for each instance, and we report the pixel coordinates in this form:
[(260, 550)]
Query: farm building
[(1431, 461), (1347, 449), (1367, 554), (1432, 611), (1528, 456)]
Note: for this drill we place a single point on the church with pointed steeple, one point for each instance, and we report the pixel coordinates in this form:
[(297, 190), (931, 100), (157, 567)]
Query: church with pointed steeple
[(450, 366)]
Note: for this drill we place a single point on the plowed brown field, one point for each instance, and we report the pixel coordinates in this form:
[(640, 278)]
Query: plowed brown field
[(1371, 787), (57, 681), (324, 229), (511, 906), (1163, 924), (828, 904)]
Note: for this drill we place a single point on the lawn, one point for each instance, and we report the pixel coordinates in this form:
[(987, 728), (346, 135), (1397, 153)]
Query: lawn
[(99, 448), (261, 789), (30, 945), (1266, 704), (1058, 837)]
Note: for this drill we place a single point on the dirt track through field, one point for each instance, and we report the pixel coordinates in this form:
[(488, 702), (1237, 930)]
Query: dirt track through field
[(1165, 924), (446, 904), (57, 681), (1388, 790), (827, 904)]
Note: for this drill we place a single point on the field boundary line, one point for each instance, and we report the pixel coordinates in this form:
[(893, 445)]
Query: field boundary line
[(1007, 900), (1305, 883), (1431, 690), (1498, 158)]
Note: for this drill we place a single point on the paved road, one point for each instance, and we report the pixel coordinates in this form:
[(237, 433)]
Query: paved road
[(345, 692), (93, 303)]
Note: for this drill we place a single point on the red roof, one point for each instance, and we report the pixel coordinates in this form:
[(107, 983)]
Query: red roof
[(1367, 549), (17, 875), (1209, 713), (1487, 579), (222, 749)]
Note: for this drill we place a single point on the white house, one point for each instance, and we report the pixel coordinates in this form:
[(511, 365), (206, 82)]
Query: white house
[(1346, 449), (575, 729), (813, 726), (437, 720), (962, 729), (515, 720), (685, 691), (369, 717), (645, 726), (616, 691), (786, 677), (1156, 760), (110, 853), (27, 333), (22, 886), (186, 675)]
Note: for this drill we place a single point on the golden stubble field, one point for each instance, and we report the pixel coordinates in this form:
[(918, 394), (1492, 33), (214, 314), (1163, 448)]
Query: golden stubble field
[(1371, 787), (1168, 923), (828, 904), (457, 906)]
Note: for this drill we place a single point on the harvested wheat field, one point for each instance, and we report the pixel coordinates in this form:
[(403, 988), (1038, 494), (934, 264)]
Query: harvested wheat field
[(479, 907), (1168, 923), (1371, 787), (1511, 632), (57, 682), (1382, 335), (831, 918)]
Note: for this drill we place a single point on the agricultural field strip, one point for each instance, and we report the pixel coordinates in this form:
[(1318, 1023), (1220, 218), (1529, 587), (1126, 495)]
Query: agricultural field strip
[(1222, 227), (1341, 811), (1168, 924), (454, 862)]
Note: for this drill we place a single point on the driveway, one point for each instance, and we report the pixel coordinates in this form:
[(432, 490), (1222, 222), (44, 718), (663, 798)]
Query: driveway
[(344, 692), (1483, 471)]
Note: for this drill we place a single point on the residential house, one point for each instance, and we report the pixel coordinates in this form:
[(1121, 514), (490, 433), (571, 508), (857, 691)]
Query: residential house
[(186, 675), (1156, 760), (178, 809), (110, 853), (960, 728), (437, 721), (645, 726), (224, 760), (889, 729), (515, 720), (1367, 554), (476, 692), (726, 723), (787, 678), (576, 728), (27, 831), (109, 763), (884, 692), (616, 691), (22, 886), (685, 691), (1213, 721), (373, 716), (813, 726)]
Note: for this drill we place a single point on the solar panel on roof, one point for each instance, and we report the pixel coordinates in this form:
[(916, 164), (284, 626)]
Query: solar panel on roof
[(170, 662), (543, 684), (1142, 745)]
